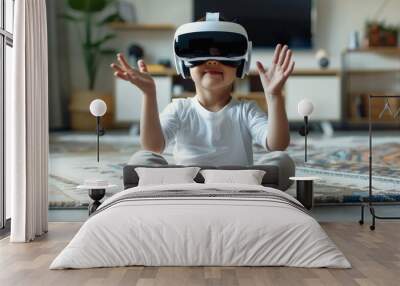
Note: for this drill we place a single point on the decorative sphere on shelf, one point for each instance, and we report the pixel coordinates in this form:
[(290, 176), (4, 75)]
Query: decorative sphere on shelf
[(322, 58), (98, 107), (305, 107)]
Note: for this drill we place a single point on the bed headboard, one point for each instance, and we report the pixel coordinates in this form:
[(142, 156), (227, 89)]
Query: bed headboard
[(270, 179)]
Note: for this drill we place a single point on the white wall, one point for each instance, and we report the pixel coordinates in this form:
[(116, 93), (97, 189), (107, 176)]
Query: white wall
[(336, 19)]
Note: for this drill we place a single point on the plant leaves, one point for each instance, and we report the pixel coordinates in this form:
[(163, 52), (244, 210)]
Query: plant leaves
[(88, 6), (111, 18), (103, 40), (92, 51), (69, 17), (108, 52)]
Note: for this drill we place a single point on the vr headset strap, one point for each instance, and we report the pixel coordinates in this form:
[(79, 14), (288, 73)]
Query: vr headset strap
[(212, 16)]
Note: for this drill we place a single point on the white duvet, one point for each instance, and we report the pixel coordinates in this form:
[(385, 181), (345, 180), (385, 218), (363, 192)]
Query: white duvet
[(183, 231)]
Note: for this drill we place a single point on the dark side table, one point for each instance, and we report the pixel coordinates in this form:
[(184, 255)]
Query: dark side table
[(304, 190), (96, 193)]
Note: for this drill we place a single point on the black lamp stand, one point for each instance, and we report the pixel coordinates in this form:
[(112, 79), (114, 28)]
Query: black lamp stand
[(97, 194), (100, 132), (303, 132)]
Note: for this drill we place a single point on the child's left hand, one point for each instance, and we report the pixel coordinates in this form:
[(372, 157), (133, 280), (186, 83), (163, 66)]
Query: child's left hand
[(275, 77)]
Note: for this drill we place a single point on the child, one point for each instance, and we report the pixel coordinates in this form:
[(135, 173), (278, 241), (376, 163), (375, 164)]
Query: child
[(212, 128)]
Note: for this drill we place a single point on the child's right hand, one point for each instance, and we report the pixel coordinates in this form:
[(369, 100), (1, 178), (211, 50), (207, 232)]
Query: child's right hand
[(141, 78)]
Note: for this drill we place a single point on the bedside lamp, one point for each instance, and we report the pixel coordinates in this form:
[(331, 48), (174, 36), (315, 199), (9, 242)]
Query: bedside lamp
[(305, 108), (98, 108), (97, 187)]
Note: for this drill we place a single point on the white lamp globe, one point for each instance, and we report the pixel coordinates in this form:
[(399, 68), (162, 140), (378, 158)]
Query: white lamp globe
[(305, 107), (321, 54), (98, 107)]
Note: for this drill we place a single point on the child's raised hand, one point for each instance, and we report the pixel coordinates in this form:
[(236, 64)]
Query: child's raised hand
[(141, 78), (275, 77)]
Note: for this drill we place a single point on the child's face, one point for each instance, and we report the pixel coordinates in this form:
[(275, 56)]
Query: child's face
[(213, 75)]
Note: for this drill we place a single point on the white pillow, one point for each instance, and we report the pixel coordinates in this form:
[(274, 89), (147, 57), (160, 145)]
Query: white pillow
[(164, 176), (248, 177)]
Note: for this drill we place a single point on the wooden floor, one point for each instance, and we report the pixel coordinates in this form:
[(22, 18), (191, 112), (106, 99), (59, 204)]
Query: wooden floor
[(375, 257)]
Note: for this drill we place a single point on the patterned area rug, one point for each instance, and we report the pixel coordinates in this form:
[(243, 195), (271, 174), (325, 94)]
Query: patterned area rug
[(341, 162)]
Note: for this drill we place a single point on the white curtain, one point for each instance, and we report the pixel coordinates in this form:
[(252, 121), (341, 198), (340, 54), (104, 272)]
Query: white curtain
[(27, 123)]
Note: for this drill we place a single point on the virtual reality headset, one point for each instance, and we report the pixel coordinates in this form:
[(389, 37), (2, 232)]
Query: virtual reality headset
[(212, 39)]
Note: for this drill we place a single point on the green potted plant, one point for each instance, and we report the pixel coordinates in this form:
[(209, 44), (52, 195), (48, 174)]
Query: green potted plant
[(85, 15)]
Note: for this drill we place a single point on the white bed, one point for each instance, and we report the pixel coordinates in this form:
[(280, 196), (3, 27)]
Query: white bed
[(224, 225)]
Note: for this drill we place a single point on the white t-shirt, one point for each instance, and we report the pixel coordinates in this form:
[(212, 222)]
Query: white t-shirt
[(203, 137)]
